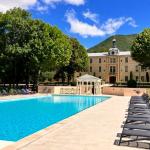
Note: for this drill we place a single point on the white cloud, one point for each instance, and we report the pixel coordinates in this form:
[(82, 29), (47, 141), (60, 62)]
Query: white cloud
[(8, 4), (72, 2), (132, 22), (41, 8), (51, 2), (91, 16), (40, 5), (112, 25), (75, 2), (84, 29)]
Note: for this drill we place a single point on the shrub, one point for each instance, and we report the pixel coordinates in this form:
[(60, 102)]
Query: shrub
[(73, 83), (132, 83)]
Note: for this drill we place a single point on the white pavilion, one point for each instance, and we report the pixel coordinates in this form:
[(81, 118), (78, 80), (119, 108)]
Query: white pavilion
[(88, 84)]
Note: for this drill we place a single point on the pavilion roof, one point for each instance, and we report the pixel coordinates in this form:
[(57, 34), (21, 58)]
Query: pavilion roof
[(88, 78)]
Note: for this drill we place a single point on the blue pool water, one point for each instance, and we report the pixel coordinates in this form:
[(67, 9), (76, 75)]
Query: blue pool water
[(20, 118)]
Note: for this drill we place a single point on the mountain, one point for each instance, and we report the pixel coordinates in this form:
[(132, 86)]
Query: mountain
[(123, 42)]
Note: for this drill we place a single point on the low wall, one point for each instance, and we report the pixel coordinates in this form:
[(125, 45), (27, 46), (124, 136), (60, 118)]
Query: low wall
[(57, 89), (65, 90), (123, 91), (105, 90), (46, 89)]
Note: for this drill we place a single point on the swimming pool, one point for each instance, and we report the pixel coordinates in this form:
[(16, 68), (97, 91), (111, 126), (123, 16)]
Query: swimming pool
[(22, 117)]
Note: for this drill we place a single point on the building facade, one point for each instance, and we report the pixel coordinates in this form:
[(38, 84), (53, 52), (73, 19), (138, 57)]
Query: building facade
[(116, 66)]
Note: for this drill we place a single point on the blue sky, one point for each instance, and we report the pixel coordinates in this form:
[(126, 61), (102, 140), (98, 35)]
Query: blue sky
[(90, 21)]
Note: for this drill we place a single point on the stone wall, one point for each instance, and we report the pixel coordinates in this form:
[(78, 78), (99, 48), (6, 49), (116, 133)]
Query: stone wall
[(46, 89), (123, 91), (105, 90), (57, 89)]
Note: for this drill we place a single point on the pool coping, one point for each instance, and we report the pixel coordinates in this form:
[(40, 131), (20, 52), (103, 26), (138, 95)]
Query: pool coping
[(50, 129)]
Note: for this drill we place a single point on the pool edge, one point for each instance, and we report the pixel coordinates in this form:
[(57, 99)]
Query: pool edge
[(50, 129)]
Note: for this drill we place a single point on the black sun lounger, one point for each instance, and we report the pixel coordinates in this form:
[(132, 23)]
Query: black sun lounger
[(138, 133), (138, 108), (142, 106), (137, 126), (139, 102), (139, 119), (138, 116), (134, 112), (137, 97)]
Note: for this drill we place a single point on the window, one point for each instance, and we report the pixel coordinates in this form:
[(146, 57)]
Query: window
[(137, 78), (100, 77), (99, 68), (91, 60), (146, 69), (138, 68), (112, 69), (126, 78), (126, 68), (112, 60), (90, 69), (143, 69), (94, 74), (99, 60), (142, 78), (126, 60)]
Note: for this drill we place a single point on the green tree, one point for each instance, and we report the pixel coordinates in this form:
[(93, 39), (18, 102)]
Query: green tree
[(29, 47), (132, 83), (141, 48), (46, 76), (78, 61), (60, 74)]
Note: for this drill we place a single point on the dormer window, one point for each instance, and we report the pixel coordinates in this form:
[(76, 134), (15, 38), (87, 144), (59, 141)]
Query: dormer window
[(114, 50)]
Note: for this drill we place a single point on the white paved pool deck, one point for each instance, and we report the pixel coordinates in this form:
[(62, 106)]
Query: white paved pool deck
[(93, 129)]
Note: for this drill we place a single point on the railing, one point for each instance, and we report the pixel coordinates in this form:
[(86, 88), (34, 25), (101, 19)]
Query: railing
[(68, 91)]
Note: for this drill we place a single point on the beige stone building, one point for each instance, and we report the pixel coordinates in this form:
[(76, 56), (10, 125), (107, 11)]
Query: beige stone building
[(115, 66)]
